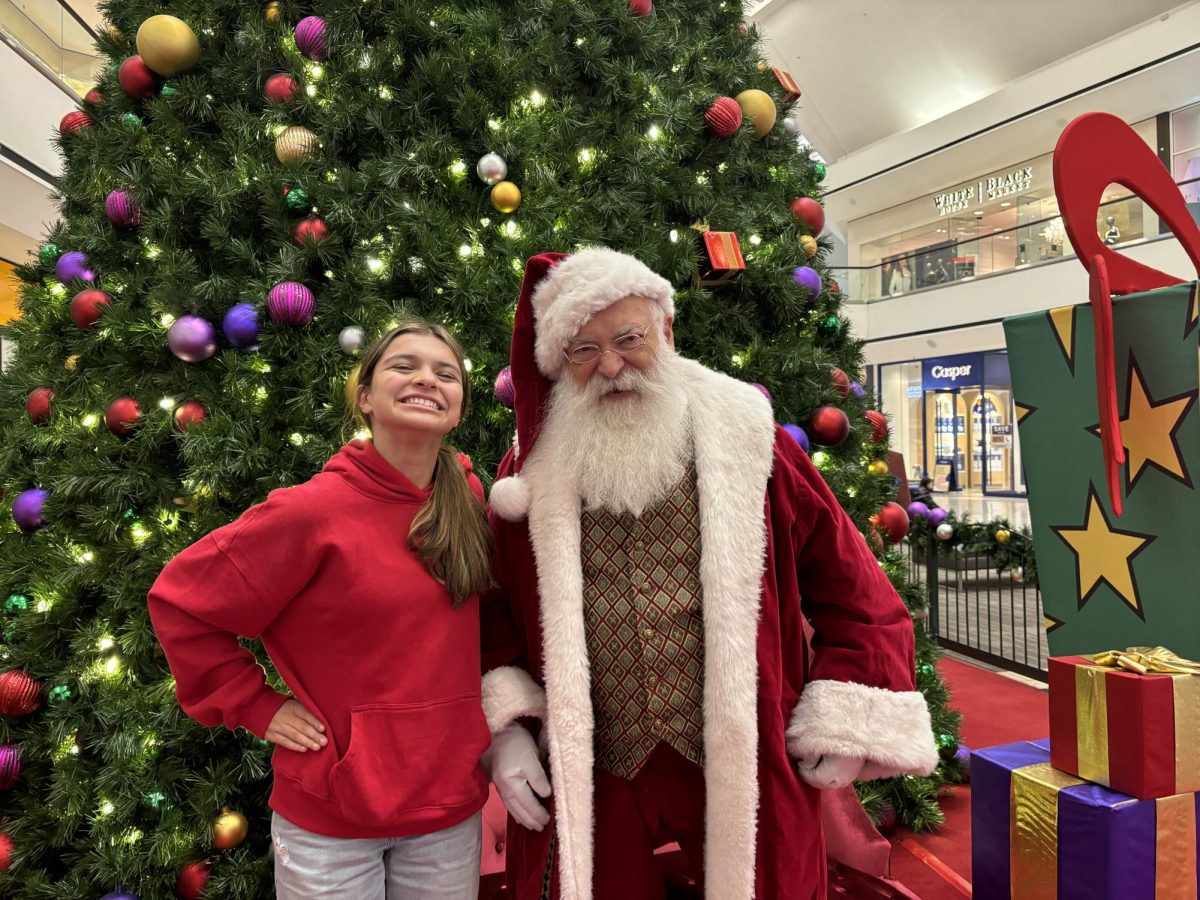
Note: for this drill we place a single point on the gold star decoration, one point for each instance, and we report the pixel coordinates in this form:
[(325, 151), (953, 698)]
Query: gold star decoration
[(1062, 321), (1150, 430), (1104, 555), (1024, 412), (1050, 623)]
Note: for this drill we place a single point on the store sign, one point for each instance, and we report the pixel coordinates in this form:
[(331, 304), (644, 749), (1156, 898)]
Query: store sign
[(952, 372), (985, 190)]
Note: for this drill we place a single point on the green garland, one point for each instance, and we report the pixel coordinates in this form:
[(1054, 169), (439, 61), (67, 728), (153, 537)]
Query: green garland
[(1010, 549)]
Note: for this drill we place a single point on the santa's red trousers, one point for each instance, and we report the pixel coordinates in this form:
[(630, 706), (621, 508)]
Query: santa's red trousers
[(662, 804)]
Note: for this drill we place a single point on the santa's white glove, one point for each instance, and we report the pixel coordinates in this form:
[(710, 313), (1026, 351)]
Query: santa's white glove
[(829, 772), (516, 769)]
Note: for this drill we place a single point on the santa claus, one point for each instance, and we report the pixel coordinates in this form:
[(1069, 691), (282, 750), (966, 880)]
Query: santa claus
[(660, 544)]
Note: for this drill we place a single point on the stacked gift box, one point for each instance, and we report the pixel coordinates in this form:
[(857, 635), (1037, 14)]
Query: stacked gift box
[(1107, 807)]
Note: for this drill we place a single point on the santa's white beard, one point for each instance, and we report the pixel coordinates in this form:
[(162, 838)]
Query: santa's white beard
[(623, 455)]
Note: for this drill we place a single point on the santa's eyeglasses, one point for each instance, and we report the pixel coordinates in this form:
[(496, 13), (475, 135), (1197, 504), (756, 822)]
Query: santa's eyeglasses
[(582, 354)]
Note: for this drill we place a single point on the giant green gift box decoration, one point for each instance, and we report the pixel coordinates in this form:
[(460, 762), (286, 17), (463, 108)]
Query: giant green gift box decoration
[(1106, 398)]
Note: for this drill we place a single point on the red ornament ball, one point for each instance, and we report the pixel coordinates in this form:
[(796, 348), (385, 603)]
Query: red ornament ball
[(641, 8), (310, 230), (6, 849), (281, 88), (137, 79), (828, 426), (724, 117), (893, 520), (189, 414), (504, 389), (74, 122), (810, 212), (841, 383), (93, 96), (38, 404), (192, 879), (879, 425), (87, 306), (19, 693), (122, 416)]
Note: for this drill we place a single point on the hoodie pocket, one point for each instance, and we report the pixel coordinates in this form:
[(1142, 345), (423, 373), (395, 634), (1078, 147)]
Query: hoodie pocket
[(409, 756)]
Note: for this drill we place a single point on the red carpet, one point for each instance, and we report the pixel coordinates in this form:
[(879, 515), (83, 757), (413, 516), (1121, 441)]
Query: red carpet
[(996, 710)]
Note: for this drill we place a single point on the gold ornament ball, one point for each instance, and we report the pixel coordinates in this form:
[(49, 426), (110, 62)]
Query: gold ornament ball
[(229, 830), (295, 144), (878, 467), (506, 197), (271, 13), (808, 244), (71, 362), (762, 65), (1002, 536), (115, 34), (759, 108), (167, 45)]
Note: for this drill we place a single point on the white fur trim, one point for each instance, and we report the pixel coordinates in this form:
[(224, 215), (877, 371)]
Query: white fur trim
[(734, 441), (889, 729), (510, 693), (582, 285), (510, 498)]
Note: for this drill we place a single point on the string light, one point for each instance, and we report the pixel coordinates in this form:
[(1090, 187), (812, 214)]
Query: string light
[(674, 236), (105, 643), (166, 320), (89, 421), (653, 133), (375, 264), (167, 403), (458, 168)]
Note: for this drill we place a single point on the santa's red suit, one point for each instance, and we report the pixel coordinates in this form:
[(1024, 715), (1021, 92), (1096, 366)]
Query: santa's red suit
[(776, 548)]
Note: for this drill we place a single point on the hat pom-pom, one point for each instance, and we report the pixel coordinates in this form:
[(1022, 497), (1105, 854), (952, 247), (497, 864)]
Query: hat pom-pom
[(510, 498)]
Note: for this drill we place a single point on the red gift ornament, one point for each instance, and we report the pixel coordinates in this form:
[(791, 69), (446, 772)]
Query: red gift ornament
[(724, 257), (879, 425), (122, 416), (87, 306), (192, 879), (137, 79), (20, 694), (724, 117), (38, 405), (189, 414), (829, 426), (893, 520), (791, 90)]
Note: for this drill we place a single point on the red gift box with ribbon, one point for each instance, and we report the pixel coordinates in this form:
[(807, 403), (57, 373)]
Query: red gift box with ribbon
[(724, 260), (791, 90)]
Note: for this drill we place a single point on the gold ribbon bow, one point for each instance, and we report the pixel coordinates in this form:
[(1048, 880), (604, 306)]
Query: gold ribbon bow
[(1146, 660)]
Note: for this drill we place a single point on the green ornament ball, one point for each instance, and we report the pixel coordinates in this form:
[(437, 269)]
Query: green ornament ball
[(48, 255), (16, 603), (819, 168), (131, 121), (168, 91), (829, 326), (925, 668), (60, 692), (297, 200), (156, 800)]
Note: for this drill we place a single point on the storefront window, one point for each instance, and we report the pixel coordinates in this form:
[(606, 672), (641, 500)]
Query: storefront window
[(953, 419), (1185, 155)]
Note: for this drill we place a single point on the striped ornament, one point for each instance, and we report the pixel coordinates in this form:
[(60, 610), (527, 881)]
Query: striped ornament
[(19, 693), (10, 765), (74, 122), (310, 38), (291, 303), (121, 210), (504, 388), (294, 144)]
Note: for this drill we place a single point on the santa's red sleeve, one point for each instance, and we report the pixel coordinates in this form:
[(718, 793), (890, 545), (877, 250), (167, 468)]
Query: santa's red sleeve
[(509, 691), (860, 698)]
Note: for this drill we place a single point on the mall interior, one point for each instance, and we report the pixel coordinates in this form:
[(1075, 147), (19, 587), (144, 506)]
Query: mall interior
[(937, 122)]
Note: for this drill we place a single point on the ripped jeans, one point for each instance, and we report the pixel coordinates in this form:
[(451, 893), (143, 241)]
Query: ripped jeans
[(439, 866)]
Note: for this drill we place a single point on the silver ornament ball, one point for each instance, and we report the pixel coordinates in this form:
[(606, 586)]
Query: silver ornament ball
[(351, 339), (945, 531), (791, 126), (1019, 575), (491, 168)]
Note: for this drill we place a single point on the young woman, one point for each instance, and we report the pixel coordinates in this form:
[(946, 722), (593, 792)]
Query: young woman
[(362, 584)]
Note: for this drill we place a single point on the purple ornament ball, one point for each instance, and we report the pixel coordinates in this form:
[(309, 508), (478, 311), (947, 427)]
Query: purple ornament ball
[(857, 389), (291, 303), (10, 765), (937, 516), (27, 508), (918, 510), (762, 389), (241, 326), (799, 436), (121, 210), (120, 895), (192, 339), (73, 266), (504, 389), (807, 278), (310, 38), (963, 755)]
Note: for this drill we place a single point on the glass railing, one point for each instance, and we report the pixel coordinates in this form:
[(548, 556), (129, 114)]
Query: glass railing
[(1122, 220), (48, 32)]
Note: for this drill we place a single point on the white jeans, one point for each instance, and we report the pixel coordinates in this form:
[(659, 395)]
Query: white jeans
[(439, 866)]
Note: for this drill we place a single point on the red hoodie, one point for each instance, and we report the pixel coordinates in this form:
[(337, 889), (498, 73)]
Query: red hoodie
[(361, 633)]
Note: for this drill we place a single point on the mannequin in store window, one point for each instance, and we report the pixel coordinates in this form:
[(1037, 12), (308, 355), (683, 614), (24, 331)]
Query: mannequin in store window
[(902, 280), (1113, 235)]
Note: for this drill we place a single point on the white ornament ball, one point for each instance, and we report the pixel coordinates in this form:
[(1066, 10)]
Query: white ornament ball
[(351, 339), (791, 126), (491, 168), (1019, 575), (945, 531)]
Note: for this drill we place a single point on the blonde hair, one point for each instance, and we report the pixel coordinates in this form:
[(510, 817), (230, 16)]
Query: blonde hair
[(450, 533)]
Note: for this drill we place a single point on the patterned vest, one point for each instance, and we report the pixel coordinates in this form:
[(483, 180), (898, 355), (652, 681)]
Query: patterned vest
[(645, 630)]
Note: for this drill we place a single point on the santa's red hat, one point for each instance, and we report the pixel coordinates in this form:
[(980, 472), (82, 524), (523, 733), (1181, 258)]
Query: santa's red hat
[(558, 295)]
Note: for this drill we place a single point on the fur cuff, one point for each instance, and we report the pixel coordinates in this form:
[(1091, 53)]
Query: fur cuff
[(509, 694), (510, 498), (889, 729)]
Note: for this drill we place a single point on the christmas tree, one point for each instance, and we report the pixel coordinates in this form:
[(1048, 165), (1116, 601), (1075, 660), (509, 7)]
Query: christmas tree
[(248, 194)]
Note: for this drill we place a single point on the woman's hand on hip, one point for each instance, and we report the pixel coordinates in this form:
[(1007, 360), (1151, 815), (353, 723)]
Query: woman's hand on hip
[(295, 728)]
